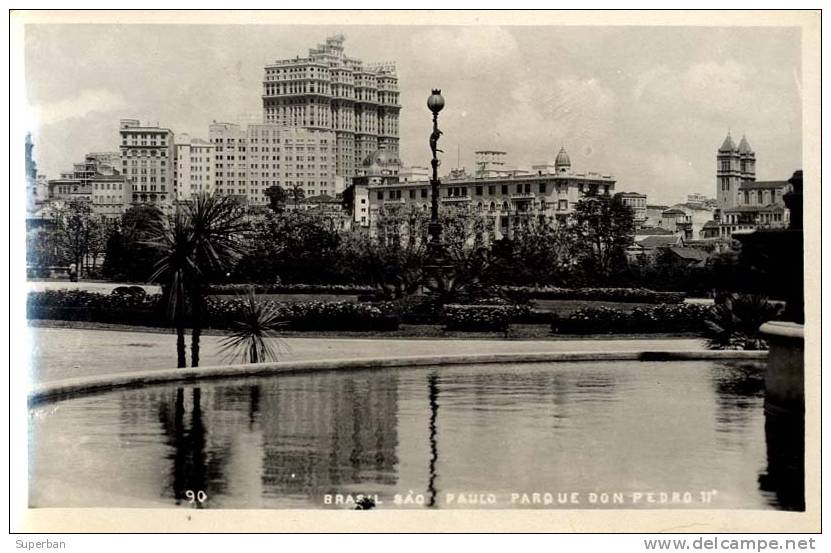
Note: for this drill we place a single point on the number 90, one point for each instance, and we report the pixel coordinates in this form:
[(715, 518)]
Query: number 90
[(199, 496)]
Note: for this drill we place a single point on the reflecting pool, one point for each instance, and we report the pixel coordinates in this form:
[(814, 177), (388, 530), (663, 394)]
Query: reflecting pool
[(562, 435)]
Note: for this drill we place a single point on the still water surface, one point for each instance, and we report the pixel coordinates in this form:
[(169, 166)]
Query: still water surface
[(646, 434)]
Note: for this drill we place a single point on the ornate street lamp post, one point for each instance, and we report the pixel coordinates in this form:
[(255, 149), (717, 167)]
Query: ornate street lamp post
[(435, 248)]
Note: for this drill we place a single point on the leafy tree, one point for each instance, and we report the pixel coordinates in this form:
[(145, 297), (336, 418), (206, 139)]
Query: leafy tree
[(276, 198), (75, 226), (42, 248), (294, 246), (392, 260), (606, 226), (538, 254), (347, 199), (99, 237), (465, 236), (128, 256)]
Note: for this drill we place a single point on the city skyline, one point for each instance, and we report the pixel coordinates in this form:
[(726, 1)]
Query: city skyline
[(649, 105)]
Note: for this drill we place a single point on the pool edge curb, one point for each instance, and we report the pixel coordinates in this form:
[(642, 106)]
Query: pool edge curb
[(69, 388)]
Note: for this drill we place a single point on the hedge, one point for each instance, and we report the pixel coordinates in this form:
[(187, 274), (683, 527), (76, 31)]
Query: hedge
[(658, 318), (482, 318), (313, 315), (522, 294), (73, 305)]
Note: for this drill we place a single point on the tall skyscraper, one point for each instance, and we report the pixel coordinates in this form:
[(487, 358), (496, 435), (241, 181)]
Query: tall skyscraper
[(330, 91)]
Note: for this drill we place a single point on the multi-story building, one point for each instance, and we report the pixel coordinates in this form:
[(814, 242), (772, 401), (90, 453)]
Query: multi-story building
[(147, 162), (637, 203), (413, 173), (743, 203), (687, 219), (249, 161), (489, 163), (194, 170), (505, 200), (96, 180), (380, 168), (329, 91), (701, 199)]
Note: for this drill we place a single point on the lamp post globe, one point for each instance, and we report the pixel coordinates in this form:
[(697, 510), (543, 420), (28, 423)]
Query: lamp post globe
[(436, 101)]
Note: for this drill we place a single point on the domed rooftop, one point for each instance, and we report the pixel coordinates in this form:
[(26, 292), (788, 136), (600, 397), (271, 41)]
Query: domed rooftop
[(744, 146), (562, 158), (381, 159), (727, 145)]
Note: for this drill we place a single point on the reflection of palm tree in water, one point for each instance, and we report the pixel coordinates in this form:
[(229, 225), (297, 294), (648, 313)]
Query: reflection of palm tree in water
[(433, 395), (190, 467)]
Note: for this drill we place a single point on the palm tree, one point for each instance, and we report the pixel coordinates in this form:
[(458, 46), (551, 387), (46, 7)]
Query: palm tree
[(202, 239), (251, 335), (297, 194), (175, 270), (217, 224)]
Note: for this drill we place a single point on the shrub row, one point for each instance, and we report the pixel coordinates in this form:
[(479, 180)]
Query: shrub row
[(313, 315), (483, 318), (522, 294), (334, 289), (659, 318), (149, 311), (83, 299)]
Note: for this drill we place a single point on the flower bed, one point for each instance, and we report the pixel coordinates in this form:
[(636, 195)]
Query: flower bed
[(483, 318), (339, 289), (522, 294), (659, 318)]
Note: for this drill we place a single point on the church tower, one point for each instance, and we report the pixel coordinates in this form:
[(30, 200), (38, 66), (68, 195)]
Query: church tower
[(729, 173), (747, 161)]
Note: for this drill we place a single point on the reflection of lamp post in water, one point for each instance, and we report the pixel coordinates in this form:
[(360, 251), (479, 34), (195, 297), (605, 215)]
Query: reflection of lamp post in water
[(437, 265), (433, 395)]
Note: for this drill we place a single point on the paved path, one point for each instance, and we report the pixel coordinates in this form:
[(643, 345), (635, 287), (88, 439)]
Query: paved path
[(59, 353)]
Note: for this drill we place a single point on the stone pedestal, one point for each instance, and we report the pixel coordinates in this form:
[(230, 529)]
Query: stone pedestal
[(785, 374), (785, 414)]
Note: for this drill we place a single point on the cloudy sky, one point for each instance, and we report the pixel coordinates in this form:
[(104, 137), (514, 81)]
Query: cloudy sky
[(648, 104)]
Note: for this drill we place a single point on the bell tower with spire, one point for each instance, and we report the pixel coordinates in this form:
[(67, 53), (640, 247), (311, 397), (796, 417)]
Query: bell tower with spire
[(729, 173), (747, 161)]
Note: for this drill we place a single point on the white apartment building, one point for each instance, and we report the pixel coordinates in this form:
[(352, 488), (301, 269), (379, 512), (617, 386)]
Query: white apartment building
[(147, 162), (195, 167), (249, 161)]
